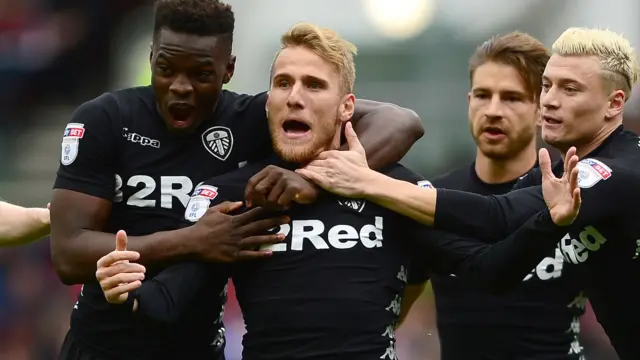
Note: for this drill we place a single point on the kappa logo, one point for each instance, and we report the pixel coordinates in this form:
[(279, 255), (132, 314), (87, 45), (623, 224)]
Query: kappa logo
[(353, 204), (218, 141), (71, 143)]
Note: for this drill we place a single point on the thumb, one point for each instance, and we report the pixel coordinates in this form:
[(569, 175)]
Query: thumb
[(545, 163), (352, 139), (121, 241)]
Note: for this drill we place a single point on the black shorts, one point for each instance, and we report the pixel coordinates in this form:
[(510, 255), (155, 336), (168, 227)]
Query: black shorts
[(72, 350)]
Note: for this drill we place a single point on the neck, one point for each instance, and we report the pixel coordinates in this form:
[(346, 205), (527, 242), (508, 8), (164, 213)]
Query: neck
[(498, 171), (586, 148)]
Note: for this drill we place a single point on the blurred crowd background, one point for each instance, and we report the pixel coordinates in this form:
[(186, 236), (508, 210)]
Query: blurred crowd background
[(56, 54)]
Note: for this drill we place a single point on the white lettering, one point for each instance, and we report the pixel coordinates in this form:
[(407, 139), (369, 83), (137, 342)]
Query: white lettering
[(178, 187), (577, 251), (549, 268), (337, 237)]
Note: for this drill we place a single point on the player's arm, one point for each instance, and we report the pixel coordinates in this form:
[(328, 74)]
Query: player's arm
[(387, 131), (417, 278), (20, 225), (82, 199), (497, 267)]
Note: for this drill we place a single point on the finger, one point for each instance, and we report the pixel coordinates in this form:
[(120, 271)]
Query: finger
[(122, 289), (121, 241), (261, 190), (117, 279), (255, 242), (253, 254), (116, 256), (574, 172), (288, 196), (49, 206), (251, 216), (260, 226), (570, 153), (277, 192), (577, 200), (545, 163), (122, 267), (352, 139), (254, 181), (227, 207)]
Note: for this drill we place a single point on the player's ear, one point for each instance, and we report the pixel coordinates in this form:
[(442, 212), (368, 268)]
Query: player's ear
[(229, 70), (347, 108), (266, 105)]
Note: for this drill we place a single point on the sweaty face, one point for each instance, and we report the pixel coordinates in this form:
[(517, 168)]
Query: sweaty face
[(306, 106), (502, 117), (573, 101), (188, 72)]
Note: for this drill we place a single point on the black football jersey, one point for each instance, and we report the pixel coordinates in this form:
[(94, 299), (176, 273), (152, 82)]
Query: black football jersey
[(601, 245), (117, 147), (333, 289), (540, 319)]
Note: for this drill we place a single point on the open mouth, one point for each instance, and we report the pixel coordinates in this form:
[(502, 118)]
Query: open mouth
[(551, 120), (493, 132), (180, 112), (295, 128)]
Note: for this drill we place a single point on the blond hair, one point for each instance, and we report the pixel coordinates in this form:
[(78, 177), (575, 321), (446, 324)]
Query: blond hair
[(327, 44), (617, 57)]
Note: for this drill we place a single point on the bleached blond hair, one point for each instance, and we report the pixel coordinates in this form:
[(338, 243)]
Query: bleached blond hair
[(617, 57), (327, 44)]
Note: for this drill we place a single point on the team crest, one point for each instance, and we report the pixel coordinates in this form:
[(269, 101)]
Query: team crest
[(199, 202), (353, 204), (591, 172), (71, 142), (218, 140)]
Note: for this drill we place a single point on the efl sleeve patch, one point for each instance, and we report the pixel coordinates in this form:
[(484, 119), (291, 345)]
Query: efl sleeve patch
[(199, 202), (426, 184), (591, 172), (70, 143)]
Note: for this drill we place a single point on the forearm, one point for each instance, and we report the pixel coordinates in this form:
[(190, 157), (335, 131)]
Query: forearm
[(386, 132), (19, 225), (502, 266), (166, 297), (75, 258), (402, 197)]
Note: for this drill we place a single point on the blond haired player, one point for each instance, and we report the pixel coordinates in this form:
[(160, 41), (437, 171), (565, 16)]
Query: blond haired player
[(586, 84)]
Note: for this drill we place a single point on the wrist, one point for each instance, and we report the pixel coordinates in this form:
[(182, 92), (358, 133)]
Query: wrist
[(374, 184), (187, 243)]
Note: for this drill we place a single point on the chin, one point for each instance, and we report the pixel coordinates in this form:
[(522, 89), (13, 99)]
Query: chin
[(295, 154)]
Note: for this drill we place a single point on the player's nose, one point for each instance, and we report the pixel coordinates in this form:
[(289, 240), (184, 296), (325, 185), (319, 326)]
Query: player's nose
[(181, 86)]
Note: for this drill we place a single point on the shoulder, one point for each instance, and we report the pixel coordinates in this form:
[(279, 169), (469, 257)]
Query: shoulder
[(455, 176), (232, 102), (623, 169), (400, 172), (112, 105)]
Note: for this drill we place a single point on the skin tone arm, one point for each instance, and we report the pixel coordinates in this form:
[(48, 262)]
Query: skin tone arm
[(20, 225), (387, 131)]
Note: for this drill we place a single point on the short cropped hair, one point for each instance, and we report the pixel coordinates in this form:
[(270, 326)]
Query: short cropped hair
[(521, 51), (617, 57), (327, 44), (195, 17)]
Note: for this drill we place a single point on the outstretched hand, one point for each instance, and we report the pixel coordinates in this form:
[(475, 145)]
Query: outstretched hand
[(562, 195), (342, 172)]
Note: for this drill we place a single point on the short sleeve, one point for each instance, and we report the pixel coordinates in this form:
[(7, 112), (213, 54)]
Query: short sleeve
[(88, 152)]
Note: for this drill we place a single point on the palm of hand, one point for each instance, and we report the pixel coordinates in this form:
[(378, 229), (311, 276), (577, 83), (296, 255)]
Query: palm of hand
[(558, 195)]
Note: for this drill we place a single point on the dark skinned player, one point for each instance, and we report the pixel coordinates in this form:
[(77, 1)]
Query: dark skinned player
[(131, 158)]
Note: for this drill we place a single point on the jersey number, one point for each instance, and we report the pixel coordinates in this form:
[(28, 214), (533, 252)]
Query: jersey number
[(170, 186)]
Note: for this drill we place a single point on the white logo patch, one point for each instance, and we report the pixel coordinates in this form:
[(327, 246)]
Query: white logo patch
[(218, 140), (426, 184), (70, 143), (200, 202), (354, 204), (591, 172)]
